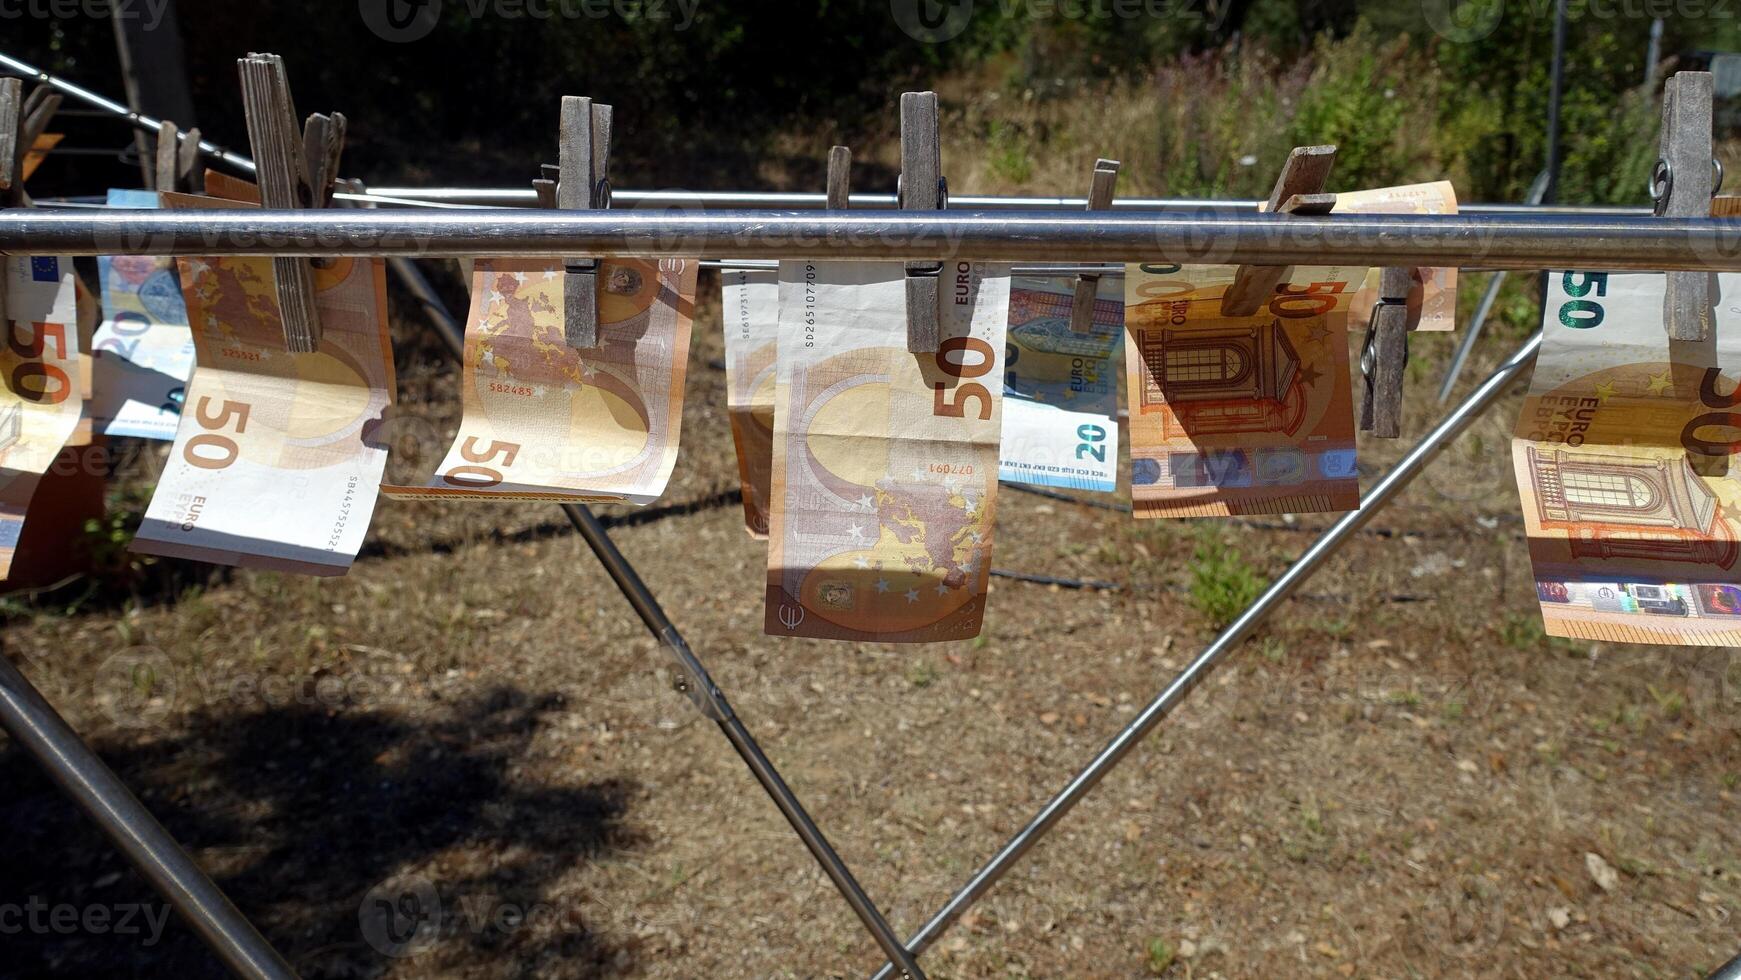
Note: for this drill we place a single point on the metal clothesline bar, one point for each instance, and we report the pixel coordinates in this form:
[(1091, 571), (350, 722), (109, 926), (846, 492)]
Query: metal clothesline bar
[(1523, 241), (735, 200), (1163, 704)]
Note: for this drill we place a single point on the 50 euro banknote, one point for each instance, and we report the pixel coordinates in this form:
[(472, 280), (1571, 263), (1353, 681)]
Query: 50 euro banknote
[(276, 459), (1626, 455), (751, 303), (39, 367), (546, 421), (885, 464), (1239, 415)]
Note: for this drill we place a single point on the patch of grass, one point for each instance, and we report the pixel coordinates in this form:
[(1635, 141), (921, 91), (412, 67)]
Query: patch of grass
[(1161, 956), (1273, 649), (1731, 780), (1452, 710), (1222, 584), (1671, 703), (922, 673), (1339, 628), (1522, 631)]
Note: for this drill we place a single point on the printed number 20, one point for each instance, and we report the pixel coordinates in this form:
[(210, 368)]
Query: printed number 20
[(1090, 434)]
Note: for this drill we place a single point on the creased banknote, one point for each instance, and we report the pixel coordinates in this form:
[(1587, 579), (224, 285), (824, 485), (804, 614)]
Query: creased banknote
[(545, 421), (275, 462), (1060, 411), (1433, 293), (1627, 463), (42, 401), (144, 347), (1239, 415), (751, 305), (885, 462)]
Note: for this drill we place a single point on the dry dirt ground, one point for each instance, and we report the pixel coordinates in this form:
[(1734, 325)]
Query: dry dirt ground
[(1399, 777)]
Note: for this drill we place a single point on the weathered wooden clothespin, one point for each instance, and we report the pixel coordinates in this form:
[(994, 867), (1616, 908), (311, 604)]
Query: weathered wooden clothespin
[(11, 160), (922, 188), (544, 185), (38, 109), (584, 183), (11, 154), (285, 183), (839, 178), (1683, 185), (22, 120), (176, 159), (323, 141), (1386, 353), (1088, 285), (1298, 191)]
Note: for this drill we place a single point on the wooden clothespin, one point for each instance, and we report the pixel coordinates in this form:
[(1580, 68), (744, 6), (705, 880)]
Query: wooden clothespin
[(1386, 353), (282, 165), (38, 109), (545, 185), (1087, 285), (22, 120), (1298, 191), (1683, 185), (922, 188), (11, 166), (584, 152), (11, 153), (176, 158), (839, 178), (323, 141)]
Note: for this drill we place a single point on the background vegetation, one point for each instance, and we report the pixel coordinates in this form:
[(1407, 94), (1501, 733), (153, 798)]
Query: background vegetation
[(1196, 98)]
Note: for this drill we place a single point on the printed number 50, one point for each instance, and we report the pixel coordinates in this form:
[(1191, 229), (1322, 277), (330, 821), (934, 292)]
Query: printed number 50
[(960, 368), (480, 477), (214, 450)]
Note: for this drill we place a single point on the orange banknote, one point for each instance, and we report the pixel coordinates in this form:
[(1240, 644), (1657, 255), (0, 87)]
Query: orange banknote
[(1239, 415)]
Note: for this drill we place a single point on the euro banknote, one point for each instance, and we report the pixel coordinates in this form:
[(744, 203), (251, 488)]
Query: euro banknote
[(1239, 415), (751, 304), (42, 400), (275, 462), (1433, 293), (1060, 421), (1626, 462), (143, 348), (885, 463), (546, 421)]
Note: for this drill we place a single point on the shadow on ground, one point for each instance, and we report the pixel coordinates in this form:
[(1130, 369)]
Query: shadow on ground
[(315, 821)]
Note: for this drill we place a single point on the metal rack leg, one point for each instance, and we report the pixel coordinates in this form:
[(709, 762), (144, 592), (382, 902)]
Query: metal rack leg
[(692, 679), (1389, 486), (38, 729)]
